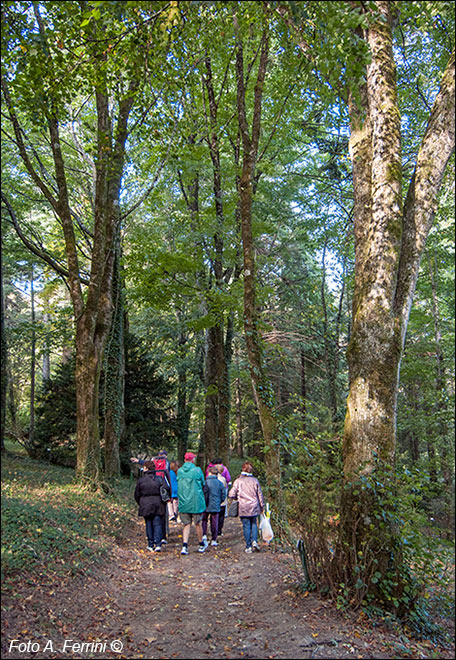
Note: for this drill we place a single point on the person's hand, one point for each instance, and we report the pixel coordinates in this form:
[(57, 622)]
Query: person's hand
[(134, 460)]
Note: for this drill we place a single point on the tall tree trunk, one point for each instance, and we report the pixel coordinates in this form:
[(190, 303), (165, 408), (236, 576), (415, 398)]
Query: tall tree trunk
[(31, 433), (89, 353), (223, 449), (388, 245), (440, 381), (263, 392), (330, 356), (4, 370), (444, 434), (92, 312), (46, 364), (302, 355), (216, 439), (239, 440), (183, 415), (114, 378), (215, 358)]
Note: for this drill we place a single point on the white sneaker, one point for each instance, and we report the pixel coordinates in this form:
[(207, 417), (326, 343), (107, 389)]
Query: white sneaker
[(157, 548), (202, 548), (255, 546), (184, 550), (214, 543), (204, 539), (248, 550)]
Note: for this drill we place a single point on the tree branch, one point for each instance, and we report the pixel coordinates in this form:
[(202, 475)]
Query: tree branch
[(33, 247), (422, 195)]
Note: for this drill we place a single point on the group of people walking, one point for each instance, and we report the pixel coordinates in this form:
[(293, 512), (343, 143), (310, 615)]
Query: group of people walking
[(166, 492)]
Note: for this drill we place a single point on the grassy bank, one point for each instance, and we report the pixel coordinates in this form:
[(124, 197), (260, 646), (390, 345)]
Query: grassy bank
[(53, 526)]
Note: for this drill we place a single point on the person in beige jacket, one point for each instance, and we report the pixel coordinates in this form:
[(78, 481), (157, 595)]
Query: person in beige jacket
[(247, 491)]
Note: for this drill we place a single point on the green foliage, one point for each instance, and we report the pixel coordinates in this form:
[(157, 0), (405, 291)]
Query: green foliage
[(56, 417), (51, 523), (312, 480), (302, 213), (400, 562), (147, 402), (417, 584)]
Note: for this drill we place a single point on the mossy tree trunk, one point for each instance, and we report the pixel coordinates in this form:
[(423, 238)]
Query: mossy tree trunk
[(389, 241), (114, 377), (215, 436), (92, 311)]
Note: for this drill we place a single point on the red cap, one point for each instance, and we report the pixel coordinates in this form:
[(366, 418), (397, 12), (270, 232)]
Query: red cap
[(189, 456)]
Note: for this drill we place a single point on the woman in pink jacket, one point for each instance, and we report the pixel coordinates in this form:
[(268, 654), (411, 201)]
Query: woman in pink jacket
[(247, 491)]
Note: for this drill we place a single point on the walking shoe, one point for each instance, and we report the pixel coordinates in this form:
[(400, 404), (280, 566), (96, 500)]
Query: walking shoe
[(248, 550), (214, 543), (157, 548), (204, 539), (151, 548), (163, 541), (202, 548), (255, 546), (184, 550)]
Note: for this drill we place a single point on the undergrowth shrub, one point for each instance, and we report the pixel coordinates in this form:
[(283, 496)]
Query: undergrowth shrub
[(313, 482), (50, 521), (419, 579)]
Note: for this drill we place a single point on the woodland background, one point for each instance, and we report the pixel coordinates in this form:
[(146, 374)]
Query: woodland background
[(180, 261)]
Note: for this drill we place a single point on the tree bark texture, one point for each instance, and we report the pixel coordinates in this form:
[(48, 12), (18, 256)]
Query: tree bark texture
[(215, 357), (389, 241), (262, 388), (114, 378), (92, 312), (216, 428), (31, 435), (388, 244)]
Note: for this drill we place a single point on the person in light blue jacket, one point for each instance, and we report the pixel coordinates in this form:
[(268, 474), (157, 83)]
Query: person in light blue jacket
[(217, 494), (173, 503)]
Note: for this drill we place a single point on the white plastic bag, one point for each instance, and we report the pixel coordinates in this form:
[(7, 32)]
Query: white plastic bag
[(265, 528)]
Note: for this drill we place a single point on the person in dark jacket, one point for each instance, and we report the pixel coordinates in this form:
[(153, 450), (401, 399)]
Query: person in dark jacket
[(151, 507), (217, 494)]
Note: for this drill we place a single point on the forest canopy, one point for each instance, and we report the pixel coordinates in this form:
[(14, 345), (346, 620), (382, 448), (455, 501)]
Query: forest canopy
[(229, 227)]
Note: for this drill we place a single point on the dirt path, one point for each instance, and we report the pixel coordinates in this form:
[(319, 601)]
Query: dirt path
[(220, 604)]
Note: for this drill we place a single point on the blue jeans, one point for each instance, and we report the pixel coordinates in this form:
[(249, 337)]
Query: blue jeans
[(154, 529), (250, 529)]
